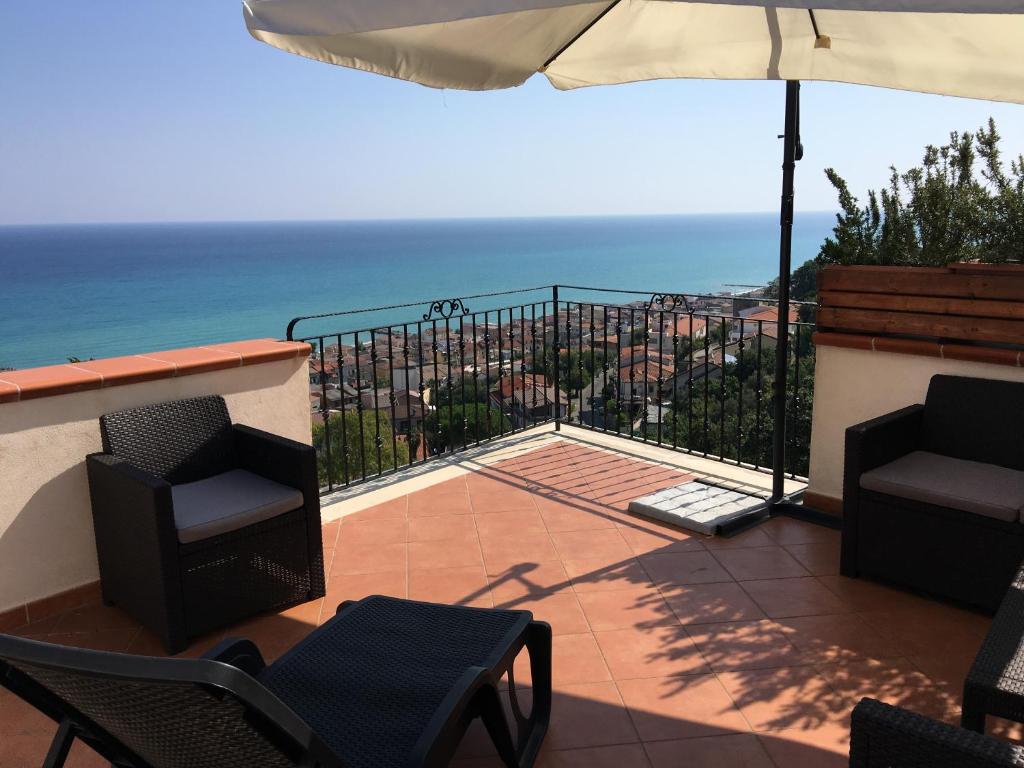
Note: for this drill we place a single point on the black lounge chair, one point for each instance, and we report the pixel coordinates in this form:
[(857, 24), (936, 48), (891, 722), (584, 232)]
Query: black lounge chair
[(200, 522), (386, 682), (883, 736)]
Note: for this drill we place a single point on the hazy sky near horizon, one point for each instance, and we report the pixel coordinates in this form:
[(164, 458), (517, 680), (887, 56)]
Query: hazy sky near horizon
[(120, 110)]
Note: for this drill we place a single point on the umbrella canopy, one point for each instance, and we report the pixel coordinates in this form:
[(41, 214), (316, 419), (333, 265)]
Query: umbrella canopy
[(955, 47)]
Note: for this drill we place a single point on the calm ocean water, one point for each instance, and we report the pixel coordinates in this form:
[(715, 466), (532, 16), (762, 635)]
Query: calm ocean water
[(105, 290)]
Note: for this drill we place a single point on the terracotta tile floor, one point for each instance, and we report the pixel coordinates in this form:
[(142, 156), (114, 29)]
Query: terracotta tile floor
[(669, 649)]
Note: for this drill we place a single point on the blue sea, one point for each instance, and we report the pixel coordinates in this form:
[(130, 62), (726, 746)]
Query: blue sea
[(106, 290)]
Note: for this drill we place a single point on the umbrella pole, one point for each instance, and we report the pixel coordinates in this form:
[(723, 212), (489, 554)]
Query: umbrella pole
[(791, 152), (779, 503)]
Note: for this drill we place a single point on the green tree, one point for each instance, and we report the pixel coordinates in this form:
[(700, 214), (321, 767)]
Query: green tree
[(354, 453), (950, 208), (448, 428), (575, 369), (465, 388), (684, 347), (729, 416)]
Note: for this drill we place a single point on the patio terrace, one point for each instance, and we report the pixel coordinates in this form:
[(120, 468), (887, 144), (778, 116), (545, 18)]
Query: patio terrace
[(670, 649)]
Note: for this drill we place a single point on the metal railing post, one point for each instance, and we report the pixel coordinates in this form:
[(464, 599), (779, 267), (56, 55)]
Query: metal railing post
[(557, 362)]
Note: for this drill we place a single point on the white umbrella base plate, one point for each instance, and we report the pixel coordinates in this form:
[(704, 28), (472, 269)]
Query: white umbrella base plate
[(695, 506)]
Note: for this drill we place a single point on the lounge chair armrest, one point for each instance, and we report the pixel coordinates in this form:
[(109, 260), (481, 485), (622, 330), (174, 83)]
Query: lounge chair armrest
[(277, 458), (238, 652), (475, 693), (880, 733)]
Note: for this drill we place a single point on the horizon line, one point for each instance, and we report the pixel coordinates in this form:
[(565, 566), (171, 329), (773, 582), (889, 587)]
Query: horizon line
[(383, 219)]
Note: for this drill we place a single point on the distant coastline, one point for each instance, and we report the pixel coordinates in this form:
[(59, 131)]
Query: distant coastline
[(98, 290)]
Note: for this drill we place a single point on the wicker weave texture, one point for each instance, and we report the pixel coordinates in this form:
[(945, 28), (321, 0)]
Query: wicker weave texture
[(180, 441), (944, 552), (181, 591), (369, 683), (258, 568), (995, 682), (883, 736), (169, 725)]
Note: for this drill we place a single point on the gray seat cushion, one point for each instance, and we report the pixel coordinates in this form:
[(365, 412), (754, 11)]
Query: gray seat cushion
[(984, 489), (227, 502)]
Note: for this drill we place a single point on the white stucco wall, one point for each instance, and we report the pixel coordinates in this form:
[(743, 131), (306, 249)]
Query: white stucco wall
[(46, 539), (852, 385)]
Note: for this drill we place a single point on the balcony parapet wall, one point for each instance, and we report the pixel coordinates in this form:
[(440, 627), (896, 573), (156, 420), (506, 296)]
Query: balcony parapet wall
[(49, 421)]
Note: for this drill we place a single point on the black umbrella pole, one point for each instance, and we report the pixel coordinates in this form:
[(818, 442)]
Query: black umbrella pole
[(792, 151)]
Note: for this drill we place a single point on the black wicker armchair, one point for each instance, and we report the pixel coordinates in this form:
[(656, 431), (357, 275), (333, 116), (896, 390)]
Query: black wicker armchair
[(385, 683), (933, 494), (883, 736), (200, 522)]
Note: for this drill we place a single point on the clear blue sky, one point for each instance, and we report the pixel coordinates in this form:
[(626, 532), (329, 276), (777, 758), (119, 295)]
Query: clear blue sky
[(131, 110)]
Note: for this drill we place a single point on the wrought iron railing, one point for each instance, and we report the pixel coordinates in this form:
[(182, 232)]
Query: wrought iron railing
[(672, 369)]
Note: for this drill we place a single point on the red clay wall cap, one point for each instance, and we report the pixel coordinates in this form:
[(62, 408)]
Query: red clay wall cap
[(51, 380), (995, 355)]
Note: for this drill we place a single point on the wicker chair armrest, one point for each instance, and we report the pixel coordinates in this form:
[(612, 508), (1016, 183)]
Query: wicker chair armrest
[(873, 443), (134, 497), (277, 458), (885, 736), (239, 653)]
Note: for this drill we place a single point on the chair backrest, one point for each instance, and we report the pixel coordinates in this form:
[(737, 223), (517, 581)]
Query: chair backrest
[(975, 419), (160, 713), (180, 441)]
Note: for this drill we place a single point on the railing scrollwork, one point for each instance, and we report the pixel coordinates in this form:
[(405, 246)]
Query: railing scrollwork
[(446, 308), (668, 302)]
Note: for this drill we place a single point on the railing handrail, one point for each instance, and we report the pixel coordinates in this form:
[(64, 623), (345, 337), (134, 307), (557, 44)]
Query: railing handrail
[(456, 302), (426, 302)]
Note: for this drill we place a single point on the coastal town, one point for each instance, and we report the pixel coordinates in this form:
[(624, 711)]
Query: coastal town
[(448, 381)]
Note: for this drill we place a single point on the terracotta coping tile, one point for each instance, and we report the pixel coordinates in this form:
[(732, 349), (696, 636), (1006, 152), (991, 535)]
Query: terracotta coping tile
[(982, 354), (196, 360), (263, 350), (52, 380), (128, 370), (9, 392), (908, 347), (995, 355), (93, 374)]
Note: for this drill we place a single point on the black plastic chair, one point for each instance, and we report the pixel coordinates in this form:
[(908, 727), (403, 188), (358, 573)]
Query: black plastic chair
[(386, 682), (173, 551)]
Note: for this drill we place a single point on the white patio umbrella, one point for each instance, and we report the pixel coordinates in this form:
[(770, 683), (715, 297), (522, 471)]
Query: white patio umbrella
[(954, 47), (972, 48)]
